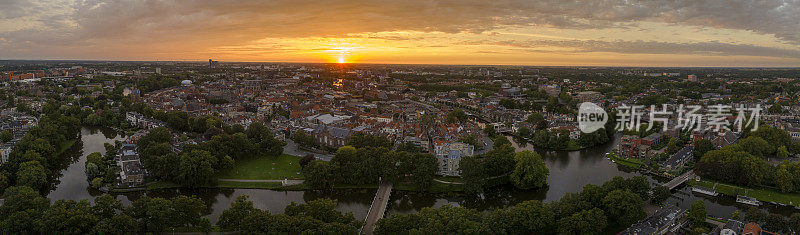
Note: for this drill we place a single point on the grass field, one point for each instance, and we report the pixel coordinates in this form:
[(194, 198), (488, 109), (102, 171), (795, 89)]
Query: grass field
[(766, 195), (258, 185), (265, 168), (633, 163), (701, 183), (436, 187), (162, 185)]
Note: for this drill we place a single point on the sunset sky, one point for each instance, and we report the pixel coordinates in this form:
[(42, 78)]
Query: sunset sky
[(515, 32)]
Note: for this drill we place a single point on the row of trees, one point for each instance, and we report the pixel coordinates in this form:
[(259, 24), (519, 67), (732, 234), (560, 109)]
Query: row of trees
[(25, 211), (100, 168), (315, 217), (560, 139), (365, 165), (488, 170), (37, 156), (773, 222), (198, 164), (181, 121), (357, 140), (617, 203), (108, 118), (744, 163), (501, 165), (305, 139)]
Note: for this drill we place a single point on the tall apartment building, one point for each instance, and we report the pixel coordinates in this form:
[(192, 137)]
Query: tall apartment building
[(449, 155)]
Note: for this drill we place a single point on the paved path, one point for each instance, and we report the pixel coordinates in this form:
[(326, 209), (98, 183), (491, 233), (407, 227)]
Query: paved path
[(291, 148), (446, 182), (378, 207), (672, 184), (716, 223), (488, 145), (451, 182), (283, 182)]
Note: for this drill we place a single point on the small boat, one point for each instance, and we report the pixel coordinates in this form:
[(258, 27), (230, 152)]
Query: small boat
[(704, 190), (748, 200)]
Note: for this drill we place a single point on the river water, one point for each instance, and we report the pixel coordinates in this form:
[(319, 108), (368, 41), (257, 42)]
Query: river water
[(569, 172)]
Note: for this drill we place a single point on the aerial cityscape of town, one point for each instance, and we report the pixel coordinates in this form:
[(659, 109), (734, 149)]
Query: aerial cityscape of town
[(400, 117), (154, 145)]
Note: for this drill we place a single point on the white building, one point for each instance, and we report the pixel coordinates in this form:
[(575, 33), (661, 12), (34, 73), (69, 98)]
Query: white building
[(137, 119), (449, 155), (5, 151)]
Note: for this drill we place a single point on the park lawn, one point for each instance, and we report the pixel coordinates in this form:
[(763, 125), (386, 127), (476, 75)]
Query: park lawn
[(148, 186), (762, 194), (304, 186), (255, 185), (701, 183), (450, 178), (264, 168), (633, 163), (436, 187), (220, 184)]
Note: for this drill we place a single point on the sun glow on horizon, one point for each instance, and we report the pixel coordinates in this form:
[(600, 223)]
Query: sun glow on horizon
[(342, 52)]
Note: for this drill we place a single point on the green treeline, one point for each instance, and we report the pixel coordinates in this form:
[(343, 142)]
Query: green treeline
[(198, 164), (366, 165), (616, 204), (25, 211), (744, 163)]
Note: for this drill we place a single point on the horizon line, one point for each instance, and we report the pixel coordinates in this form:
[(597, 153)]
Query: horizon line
[(359, 63)]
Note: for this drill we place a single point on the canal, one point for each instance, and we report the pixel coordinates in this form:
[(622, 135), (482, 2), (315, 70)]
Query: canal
[(569, 172)]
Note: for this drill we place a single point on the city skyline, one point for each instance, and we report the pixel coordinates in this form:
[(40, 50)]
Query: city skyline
[(536, 33)]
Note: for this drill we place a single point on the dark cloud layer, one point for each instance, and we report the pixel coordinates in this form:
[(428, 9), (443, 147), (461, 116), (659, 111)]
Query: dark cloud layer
[(98, 24), (651, 47)]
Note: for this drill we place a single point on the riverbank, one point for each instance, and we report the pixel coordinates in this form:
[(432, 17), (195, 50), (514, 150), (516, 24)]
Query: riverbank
[(762, 194), (568, 171), (436, 187), (161, 185), (632, 163), (248, 185), (572, 145), (283, 173)]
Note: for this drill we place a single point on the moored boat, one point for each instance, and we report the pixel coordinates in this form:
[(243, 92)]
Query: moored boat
[(748, 200), (704, 190)]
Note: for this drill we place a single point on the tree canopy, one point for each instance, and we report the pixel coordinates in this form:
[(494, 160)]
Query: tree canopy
[(529, 171), (587, 212)]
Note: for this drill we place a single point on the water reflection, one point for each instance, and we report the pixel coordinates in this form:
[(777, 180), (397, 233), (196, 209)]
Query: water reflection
[(72, 183), (569, 172), (217, 200)]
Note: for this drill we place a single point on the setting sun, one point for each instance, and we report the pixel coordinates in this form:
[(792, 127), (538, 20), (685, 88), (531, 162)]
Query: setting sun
[(341, 59)]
